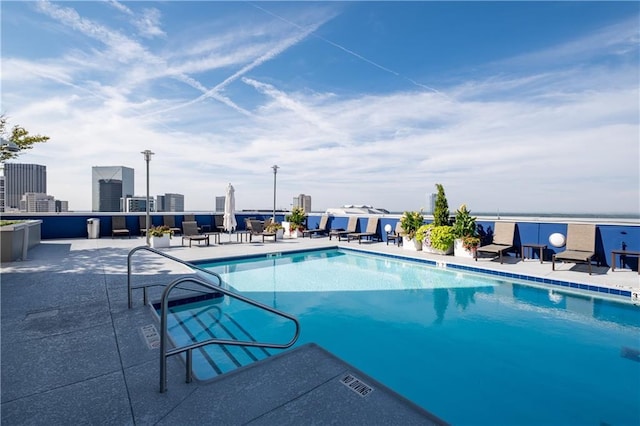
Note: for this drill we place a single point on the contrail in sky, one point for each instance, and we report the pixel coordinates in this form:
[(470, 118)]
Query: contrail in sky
[(351, 52)]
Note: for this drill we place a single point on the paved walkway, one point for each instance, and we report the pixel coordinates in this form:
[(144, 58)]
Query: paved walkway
[(73, 353)]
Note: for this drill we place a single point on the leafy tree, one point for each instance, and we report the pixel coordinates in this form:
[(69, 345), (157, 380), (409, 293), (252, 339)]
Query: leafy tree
[(20, 136), (441, 209)]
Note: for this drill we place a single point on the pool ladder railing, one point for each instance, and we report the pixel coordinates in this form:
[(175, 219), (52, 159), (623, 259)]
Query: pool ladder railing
[(144, 287), (165, 353)]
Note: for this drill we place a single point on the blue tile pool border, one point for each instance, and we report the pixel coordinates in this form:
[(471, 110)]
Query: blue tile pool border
[(501, 274)]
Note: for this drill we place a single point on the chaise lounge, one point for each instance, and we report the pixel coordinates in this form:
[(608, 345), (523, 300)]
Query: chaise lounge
[(503, 235), (580, 246), (322, 228), (352, 225), (370, 233), (190, 232), (257, 228)]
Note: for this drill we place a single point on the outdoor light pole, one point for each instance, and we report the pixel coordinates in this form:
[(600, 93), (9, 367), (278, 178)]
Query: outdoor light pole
[(147, 157), (275, 172)]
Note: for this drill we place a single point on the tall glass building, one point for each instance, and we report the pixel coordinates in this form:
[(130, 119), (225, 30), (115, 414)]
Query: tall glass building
[(109, 185), (20, 179)]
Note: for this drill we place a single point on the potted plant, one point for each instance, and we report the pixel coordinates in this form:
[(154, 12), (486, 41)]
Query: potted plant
[(277, 228), (436, 239), (160, 236), (465, 231), (410, 223), (294, 223), (439, 237)]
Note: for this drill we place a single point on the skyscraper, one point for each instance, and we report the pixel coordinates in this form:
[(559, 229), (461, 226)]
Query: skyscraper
[(431, 203), (109, 185), (170, 203), (220, 203), (303, 201), (20, 179)]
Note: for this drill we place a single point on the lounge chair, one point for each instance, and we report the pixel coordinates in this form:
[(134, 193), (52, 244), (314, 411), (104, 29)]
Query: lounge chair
[(503, 235), (370, 233), (351, 228), (190, 232), (257, 228), (142, 220), (119, 227), (191, 218), (322, 227), (218, 221), (170, 221), (580, 245), (396, 235)]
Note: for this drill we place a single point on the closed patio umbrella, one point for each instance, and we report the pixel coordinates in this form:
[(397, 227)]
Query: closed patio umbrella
[(229, 219)]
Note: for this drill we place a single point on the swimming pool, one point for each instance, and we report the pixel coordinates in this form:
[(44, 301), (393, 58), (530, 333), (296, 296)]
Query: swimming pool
[(470, 349)]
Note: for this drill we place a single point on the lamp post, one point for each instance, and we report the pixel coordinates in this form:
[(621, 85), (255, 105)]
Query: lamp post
[(275, 172), (147, 157)]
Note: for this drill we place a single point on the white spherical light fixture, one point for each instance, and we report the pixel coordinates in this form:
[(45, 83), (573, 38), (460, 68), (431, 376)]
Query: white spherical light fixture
[(387, 228), (557, 240)]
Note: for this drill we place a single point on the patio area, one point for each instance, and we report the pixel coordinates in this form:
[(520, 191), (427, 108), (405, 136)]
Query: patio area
[(73, 353)]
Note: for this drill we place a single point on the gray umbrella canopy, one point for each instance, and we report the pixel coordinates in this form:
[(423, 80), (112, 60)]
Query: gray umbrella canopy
[(229, 219)]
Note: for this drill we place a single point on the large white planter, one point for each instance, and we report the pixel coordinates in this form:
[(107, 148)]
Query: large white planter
[(288, 233), (161, 242), (411, 244), (429, 249), (460, 251)]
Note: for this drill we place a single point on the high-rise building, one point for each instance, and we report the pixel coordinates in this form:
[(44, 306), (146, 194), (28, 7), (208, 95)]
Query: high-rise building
[(220, 204), (138, 204), (20, 179), (109, 185), (431, 203), (170, 203), (35, 202), (62, 206), (303, 201)]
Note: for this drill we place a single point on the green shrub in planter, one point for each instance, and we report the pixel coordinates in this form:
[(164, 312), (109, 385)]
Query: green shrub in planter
[(438, 237), (410, 222)]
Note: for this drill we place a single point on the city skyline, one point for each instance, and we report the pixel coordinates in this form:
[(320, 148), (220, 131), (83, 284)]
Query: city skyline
[(511, 106)]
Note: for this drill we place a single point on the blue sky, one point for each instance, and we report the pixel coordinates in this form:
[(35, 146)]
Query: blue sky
[(512, 106)]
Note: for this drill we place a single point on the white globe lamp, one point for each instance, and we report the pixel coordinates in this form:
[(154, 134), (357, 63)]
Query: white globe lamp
[(387, 228), (557, 239)]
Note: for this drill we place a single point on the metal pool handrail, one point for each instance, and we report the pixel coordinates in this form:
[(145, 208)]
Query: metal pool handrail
[(144, 287), (164, 353)]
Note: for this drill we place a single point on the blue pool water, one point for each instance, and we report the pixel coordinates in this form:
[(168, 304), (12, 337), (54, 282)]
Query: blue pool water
[(470, 349)]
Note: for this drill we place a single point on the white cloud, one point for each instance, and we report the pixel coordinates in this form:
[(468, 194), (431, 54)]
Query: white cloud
[(558, 139)]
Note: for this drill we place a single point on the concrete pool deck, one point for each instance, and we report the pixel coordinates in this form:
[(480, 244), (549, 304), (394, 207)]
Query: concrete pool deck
[(73, 353)]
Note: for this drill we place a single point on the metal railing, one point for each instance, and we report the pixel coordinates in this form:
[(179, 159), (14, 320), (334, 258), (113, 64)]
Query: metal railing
[(130, 288), (164, 353)]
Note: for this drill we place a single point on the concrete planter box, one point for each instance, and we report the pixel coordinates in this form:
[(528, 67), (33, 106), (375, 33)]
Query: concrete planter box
[(17, 239), (288, 233), (411, 244), (460, 251), (160, 242)]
